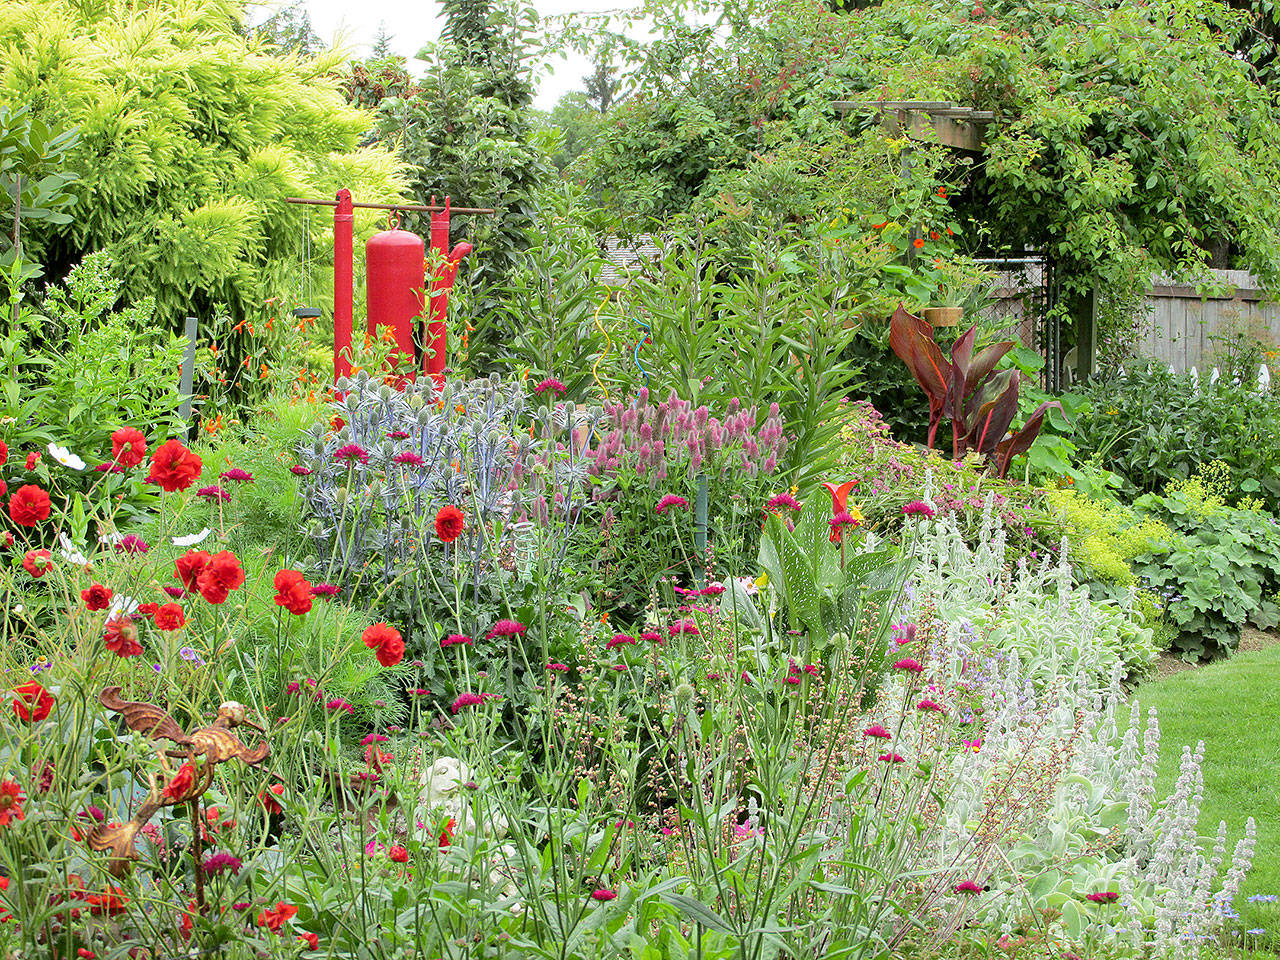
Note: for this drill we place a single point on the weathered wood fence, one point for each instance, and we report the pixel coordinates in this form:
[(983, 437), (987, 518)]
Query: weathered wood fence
[(1186, 330)]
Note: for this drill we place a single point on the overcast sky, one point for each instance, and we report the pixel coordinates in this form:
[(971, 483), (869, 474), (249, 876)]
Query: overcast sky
[(414, 23)]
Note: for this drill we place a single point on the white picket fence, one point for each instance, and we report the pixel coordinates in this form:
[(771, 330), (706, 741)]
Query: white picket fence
[(1263, 383)]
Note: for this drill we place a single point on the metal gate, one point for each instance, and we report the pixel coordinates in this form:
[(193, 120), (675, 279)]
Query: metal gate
[(1021, 298)]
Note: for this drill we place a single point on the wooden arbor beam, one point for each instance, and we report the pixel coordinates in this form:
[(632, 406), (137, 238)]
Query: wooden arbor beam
[(928, 121)]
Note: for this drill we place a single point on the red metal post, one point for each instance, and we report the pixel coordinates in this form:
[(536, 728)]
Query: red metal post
[(343, 284), (435, 355)]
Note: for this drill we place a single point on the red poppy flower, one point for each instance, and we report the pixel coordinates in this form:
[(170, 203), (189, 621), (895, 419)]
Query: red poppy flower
[(312, 940), (121, 637), (37, 563), (189, 566), (169, 616), (181, 783), (32, 460), (449, 522), (293, 592), (32, 702), (336, 424), (268, 798), (96, 597), (220, 576), (128, 447), (386, 643), (277, 917), (110, 901), (29, 505), (174, 467), (10, 802)]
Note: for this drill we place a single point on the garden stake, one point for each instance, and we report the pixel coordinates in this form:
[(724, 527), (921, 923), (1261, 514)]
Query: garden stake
[(195, 854)]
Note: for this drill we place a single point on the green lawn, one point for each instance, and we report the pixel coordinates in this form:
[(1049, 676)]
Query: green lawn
[(1234, 707)]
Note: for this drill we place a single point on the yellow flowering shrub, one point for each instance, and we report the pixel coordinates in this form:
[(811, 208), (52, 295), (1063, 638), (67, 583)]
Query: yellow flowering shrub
[(1105, 535)]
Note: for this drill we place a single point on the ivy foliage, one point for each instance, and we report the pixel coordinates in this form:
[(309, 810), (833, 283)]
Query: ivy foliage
[(191, 135)]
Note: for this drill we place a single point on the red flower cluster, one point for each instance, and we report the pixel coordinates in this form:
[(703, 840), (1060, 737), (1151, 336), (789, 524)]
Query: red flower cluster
[(174, 467), (96, 597), (32, 702), (37, 563), (386, 643), (449, 523), (121, 637), (29, 505), (128, 447), (293, 592), (214, 576), (181, 783), (277, 917), (268, 798), (169, 616)]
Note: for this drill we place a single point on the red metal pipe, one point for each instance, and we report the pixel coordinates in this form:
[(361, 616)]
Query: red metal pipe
[(436, 352), (343, 284)]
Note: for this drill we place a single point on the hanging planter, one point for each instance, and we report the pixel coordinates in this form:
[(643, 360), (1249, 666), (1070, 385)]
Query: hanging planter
[(943, 316)]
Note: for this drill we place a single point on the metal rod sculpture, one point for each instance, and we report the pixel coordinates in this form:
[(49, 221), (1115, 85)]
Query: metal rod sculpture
[(213, 744)]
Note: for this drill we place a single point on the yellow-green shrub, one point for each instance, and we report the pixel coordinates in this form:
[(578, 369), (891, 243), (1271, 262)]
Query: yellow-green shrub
[(1105, 535)]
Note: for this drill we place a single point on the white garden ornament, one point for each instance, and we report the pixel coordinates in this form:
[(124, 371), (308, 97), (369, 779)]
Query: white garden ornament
[(442, 785)]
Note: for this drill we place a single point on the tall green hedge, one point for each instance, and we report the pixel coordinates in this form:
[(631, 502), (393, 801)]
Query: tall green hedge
[(192, 135)]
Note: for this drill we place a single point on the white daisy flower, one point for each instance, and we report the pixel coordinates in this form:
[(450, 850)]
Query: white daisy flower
[(193, 539), (70, 551), (121, 605), (65, 457)]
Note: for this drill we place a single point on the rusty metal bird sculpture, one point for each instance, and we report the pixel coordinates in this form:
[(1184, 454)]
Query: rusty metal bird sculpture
[(203, 748)]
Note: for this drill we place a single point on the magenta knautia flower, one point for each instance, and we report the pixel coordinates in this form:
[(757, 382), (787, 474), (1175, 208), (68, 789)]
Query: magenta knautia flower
[(558, 667), (892, 758), (929, 705), (967, 886), (112, 467), (300, 471), (466, 700), (398, 435), (918, 508), (904, 633), (651, 636), (670, 500), (910, 665), (506, 628), (293, 687), (352, 452), (875, 730), (373, 738), (620, 640), (132, 544), (684, 626), (603, 895), (326, 590), (216, 863), (841, 520), (340, 704), (213, 493), (782, 500), (237, 475), (550, 384), (618, 667), (455, 639), (793, 679), (1104, 896), (408, 457), (712, 590), (175, 592)]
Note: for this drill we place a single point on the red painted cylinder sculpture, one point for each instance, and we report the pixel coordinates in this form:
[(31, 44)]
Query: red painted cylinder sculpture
[(394, 281)]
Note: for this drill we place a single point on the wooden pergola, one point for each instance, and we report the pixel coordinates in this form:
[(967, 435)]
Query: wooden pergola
[(965, 128)]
